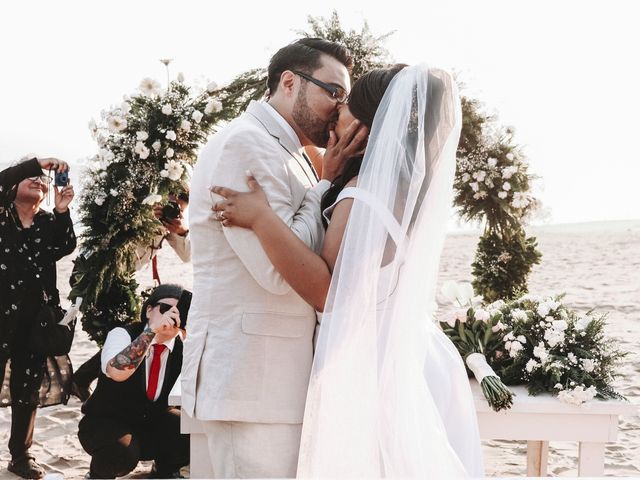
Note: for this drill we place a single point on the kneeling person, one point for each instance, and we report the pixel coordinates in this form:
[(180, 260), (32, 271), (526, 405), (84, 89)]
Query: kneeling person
[(127, 418)]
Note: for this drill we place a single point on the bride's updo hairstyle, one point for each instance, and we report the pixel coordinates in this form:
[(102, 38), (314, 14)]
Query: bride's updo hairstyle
[(366, 94)]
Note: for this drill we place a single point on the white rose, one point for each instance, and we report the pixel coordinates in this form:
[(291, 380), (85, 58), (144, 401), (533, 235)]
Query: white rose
[(506, 186), (197, 116), (152, 199), (113, 192), (212, 87), (518, 314), (509, 172), (572, 358), (515, 348), (492, 162), (170, 135), (509, 156), (185, 125), (169, 153), (531, 365), (466, 177), (560, 325), (99, 201), (502, 194), (583, 323), (481, 315), (213, 106), (174, 170), (166, 109), (540, 352), (543, 309), (141, 150), (588, 365), (142, 136), (474, 186), (522, 339), (156, 145)]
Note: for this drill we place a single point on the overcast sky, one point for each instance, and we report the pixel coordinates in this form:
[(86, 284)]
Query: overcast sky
[(565, 74)]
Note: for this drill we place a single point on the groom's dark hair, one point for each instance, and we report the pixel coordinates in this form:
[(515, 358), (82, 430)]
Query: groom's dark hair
[(304, 55)]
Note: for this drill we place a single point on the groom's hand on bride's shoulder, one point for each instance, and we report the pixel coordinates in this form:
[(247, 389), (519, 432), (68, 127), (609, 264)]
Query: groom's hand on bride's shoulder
[(339, 150)]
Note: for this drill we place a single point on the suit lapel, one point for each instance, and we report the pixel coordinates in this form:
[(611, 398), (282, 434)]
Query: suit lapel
[(256, 110)]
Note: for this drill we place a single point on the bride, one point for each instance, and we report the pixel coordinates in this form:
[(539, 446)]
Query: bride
[(388, 394)]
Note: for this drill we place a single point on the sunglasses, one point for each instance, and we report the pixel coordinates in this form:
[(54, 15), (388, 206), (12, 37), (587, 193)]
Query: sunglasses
[(164, 307), (338, 93), (45, 179)]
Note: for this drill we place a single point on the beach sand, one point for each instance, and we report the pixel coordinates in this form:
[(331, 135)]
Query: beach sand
[(596, 265)]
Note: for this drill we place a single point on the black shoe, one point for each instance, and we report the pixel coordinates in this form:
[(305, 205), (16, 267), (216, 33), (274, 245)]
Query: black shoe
[(80, 391), (26, 467), (163, 474)]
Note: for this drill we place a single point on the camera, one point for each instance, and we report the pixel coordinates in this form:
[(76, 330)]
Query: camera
[(62, 179), (183, 305), (171, 211)]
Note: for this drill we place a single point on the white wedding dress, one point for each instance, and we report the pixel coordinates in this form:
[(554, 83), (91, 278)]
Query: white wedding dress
[(388, 395)]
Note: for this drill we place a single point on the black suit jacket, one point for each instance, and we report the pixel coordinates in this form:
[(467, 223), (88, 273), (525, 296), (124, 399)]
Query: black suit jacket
[(128, 400)]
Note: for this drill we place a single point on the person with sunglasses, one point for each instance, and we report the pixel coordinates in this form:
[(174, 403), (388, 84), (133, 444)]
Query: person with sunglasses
[(32, 240), (127, 418)]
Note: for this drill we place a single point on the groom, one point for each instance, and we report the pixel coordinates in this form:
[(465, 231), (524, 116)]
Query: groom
[(249, 347)]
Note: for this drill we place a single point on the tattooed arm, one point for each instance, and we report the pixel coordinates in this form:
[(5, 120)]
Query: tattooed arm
[(122, 366)]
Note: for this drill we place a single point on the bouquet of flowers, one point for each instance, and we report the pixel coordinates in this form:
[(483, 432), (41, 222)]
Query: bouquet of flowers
[(476, 334), (534, 341), (147, 145), (564, 353)]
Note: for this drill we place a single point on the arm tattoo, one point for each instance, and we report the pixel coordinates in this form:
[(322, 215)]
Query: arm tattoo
[(133, 354)]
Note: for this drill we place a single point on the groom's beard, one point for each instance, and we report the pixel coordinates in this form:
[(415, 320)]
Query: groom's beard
[(313, 127)]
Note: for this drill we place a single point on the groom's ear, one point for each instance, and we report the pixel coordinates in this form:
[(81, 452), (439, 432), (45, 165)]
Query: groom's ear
[(287, 82)]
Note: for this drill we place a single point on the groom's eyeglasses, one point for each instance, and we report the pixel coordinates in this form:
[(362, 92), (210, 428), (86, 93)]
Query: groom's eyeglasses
[(338, 93)]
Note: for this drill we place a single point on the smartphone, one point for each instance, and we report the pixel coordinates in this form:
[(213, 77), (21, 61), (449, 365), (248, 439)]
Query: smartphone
[(62, 179), (183, 307)]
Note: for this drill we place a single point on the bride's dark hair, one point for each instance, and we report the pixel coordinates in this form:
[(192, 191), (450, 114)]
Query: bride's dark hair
[(366, 94)]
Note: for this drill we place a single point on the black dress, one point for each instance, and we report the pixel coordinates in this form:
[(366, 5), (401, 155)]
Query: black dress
[(28, 259)]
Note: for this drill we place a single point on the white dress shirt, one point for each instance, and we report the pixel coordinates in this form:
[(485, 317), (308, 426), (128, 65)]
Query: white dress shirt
[(118, 339)]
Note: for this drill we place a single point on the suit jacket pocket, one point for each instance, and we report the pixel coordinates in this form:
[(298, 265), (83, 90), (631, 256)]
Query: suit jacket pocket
[(276, 324)]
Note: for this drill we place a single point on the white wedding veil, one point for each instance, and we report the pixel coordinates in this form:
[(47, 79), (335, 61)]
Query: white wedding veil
[(371, 411)]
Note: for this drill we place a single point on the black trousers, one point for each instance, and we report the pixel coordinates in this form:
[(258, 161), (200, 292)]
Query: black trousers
[(23, 421), (88, 371), (116, 446)]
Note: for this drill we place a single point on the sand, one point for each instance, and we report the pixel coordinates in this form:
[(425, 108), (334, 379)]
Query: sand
[(596, 265)]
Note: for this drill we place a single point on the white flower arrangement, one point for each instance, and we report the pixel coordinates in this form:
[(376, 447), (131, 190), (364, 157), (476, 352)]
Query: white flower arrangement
[(147, 142), (539, 342)]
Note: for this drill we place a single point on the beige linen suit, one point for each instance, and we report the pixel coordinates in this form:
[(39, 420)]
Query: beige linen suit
[(249, 345)]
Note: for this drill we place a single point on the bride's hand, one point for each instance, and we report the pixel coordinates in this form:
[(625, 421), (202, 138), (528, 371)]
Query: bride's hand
[(338, 151), (241, 209)]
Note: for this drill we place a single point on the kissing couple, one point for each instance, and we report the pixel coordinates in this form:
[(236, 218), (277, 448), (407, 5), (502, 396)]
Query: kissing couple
[(311, 347)]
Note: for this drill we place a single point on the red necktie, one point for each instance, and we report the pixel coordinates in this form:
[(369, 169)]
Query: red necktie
[(154, 371)]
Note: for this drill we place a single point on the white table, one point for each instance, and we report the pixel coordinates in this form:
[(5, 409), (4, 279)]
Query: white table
[(537, 420), (544, 418)]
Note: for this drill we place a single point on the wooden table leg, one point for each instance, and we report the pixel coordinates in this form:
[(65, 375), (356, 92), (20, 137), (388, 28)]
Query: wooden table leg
[(591, 459), (537, 458)]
